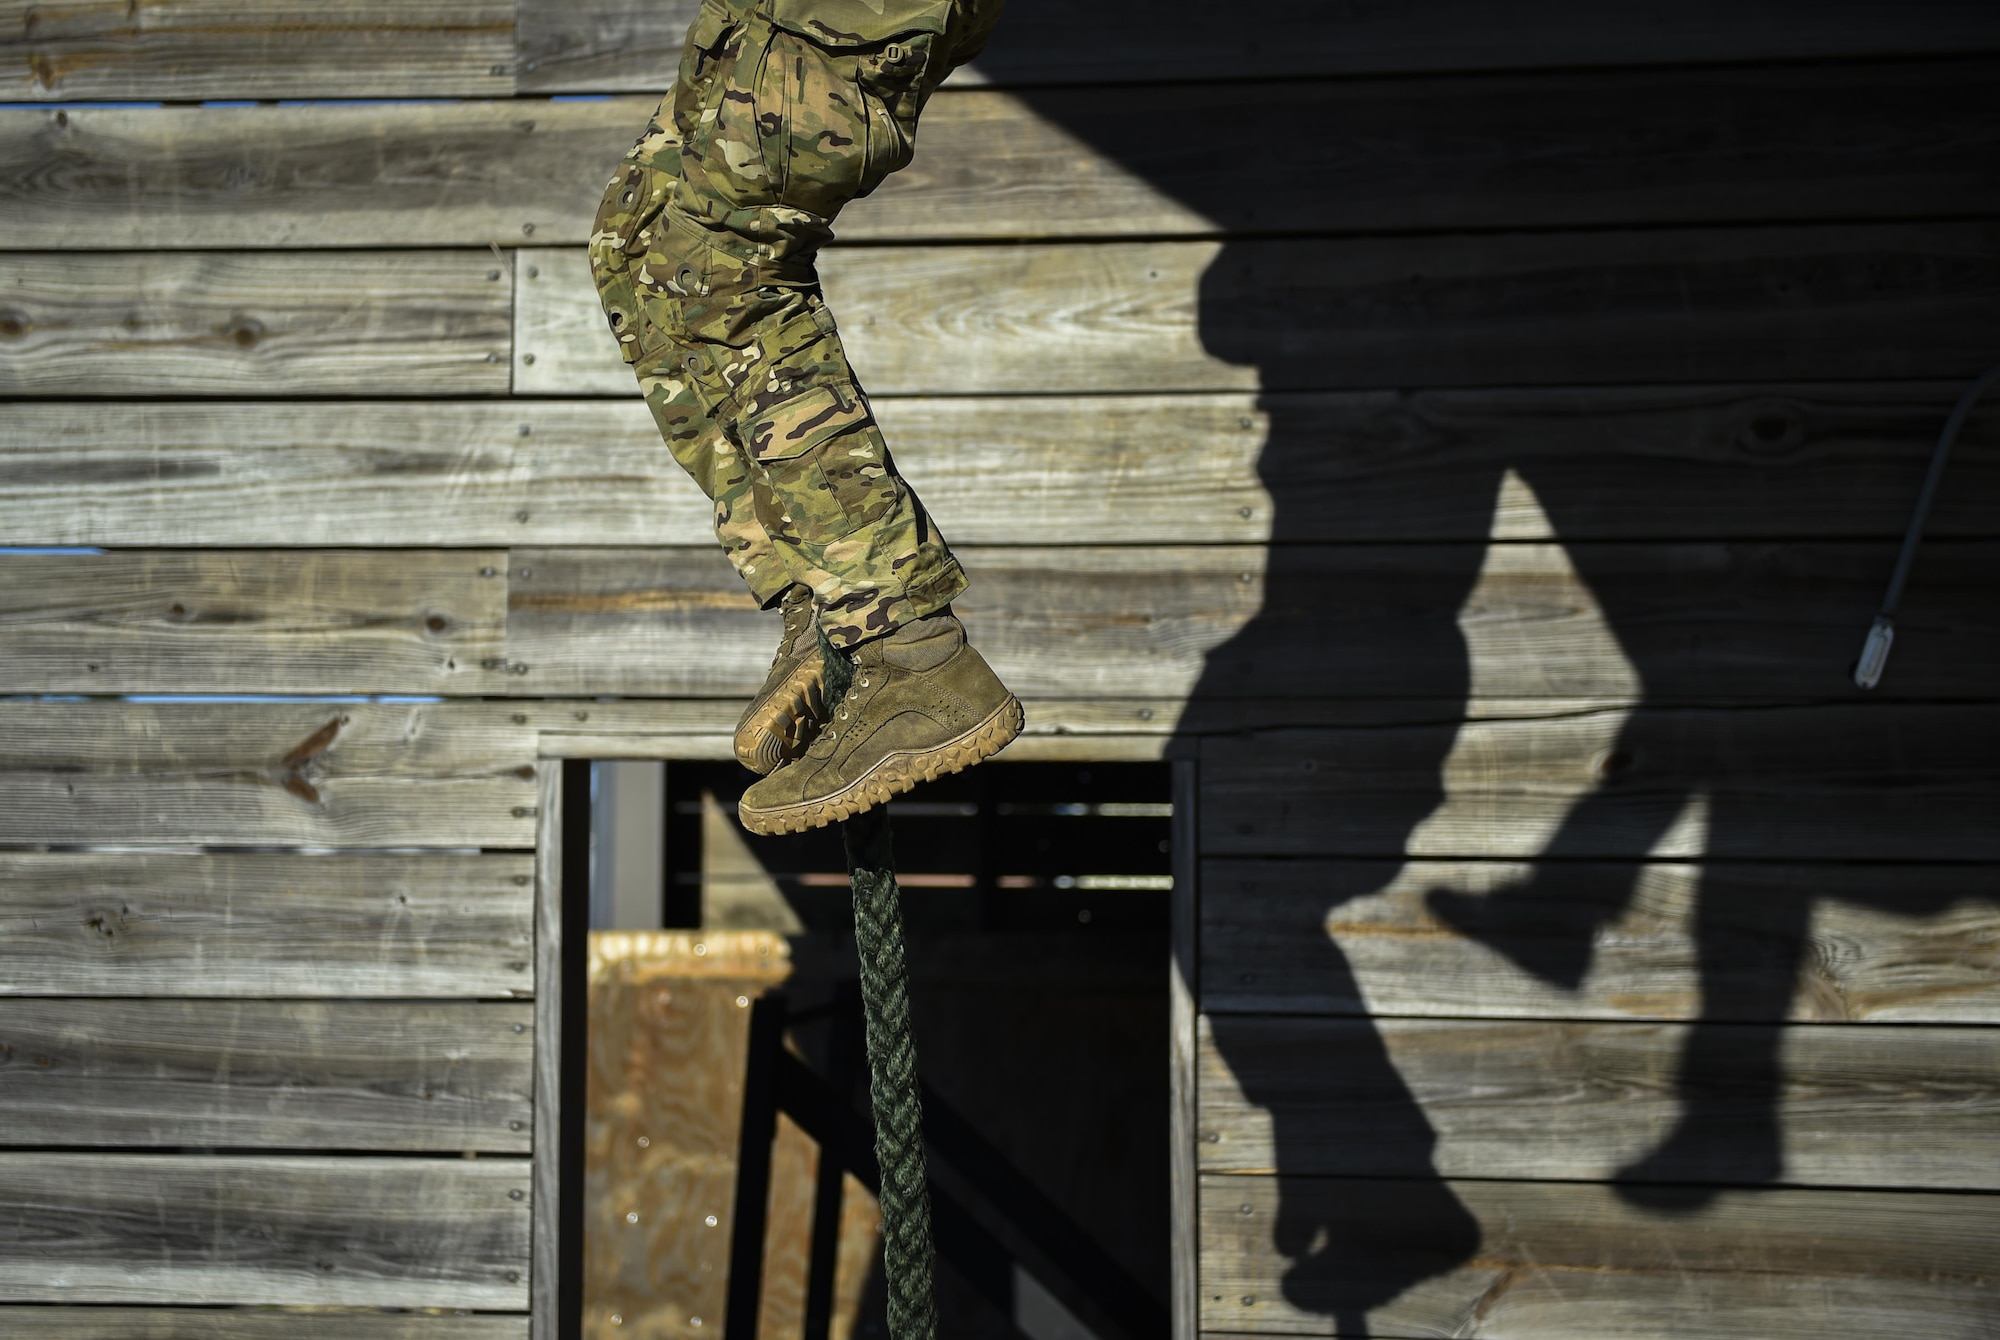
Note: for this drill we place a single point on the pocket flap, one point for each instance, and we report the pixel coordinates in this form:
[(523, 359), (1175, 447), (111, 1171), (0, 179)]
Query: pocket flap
[(858, 23), (709, 25), (796, 426)]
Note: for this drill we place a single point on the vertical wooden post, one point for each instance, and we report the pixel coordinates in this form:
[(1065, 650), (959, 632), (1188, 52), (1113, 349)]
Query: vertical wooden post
[(1183, 986), (562, 898), (759, 1128)]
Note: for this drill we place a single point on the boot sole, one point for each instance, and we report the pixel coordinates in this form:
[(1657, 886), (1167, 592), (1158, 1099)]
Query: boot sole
[(778, 729), (893, 776)]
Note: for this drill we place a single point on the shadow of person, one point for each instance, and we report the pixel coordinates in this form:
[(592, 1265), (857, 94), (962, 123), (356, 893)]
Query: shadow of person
[(1376, 503)]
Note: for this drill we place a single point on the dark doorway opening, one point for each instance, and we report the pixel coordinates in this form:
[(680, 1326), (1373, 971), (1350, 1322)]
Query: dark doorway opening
[(1038, 904)]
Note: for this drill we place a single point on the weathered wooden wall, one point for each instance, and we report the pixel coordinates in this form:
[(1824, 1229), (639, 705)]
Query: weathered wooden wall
[(1475, 436)]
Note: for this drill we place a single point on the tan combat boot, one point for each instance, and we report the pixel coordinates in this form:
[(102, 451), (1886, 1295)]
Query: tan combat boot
[(922, 703), (789, 710)]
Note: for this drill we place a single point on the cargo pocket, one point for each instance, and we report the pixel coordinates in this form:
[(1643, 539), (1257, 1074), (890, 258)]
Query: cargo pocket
[(852, 119), (824, 461)]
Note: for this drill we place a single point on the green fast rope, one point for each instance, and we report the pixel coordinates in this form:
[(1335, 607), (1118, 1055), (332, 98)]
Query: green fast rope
[(909, 1258)]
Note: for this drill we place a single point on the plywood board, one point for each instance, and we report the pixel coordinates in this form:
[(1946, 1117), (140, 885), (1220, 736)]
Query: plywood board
[(347, 1075), (1696, 304), (1804, 940), (1875, 781), (1851, 1105), (1423, 1258), (265, 774), (245, 323), (192, 49), (422, 621), (1838, 461), (625, 44), (373, 1232), (265, 924), (670, 1030)]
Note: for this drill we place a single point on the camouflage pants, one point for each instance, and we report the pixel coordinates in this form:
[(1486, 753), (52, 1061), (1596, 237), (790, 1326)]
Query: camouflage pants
[(704, 251)]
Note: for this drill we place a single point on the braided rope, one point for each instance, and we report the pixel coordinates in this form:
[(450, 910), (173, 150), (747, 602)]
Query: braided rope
[(909, 1257)]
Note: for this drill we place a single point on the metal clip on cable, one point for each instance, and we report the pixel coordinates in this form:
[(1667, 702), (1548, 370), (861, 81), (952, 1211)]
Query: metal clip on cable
[(1882, 634)]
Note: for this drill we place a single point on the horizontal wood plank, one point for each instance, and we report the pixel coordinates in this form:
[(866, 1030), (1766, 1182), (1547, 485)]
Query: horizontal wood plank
[(348, 1075), (375, 473), (247, 323), (1424, 1258), (401, 621), (135, 1323), (1695, 146), (263, 924), (315, 175), (608, 45), (1696, 304), (193, 49), (265, 774), (1875, 781), (1058, 729), (374, 1232), (1697, 622), (1670, 463), (1853, 1106), (284, 48), (1599, 940)]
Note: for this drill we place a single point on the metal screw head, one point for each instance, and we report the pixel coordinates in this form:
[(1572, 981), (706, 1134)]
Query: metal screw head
[(534, 272), (520, 1028), (523, 430), (710, 1221), (515, 1194), (631, 1216), (492, 274), (528, 359), (513, 1277), (527, 230)]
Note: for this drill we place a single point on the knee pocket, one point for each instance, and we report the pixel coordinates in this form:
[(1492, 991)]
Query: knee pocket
[(627, 219), (824, 462)]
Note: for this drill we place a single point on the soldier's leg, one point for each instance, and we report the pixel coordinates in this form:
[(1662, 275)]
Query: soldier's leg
[(627, 221), (787, 109), (784, 714), (784, 111)]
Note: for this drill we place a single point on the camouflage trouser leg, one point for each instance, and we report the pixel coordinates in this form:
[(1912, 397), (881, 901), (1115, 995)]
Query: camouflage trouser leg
[(704, 255)]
